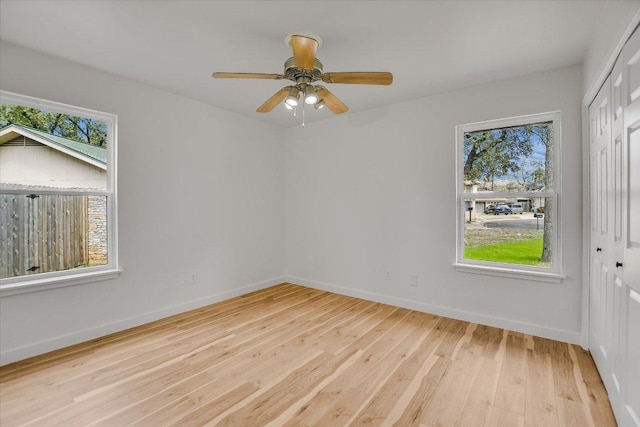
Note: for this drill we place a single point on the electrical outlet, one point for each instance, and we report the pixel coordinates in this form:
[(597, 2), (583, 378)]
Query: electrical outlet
[(413, 280), (388, 275), (193, 278)]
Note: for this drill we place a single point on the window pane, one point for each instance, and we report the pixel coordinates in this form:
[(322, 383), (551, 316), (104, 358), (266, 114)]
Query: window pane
[(49, 149), (510, 232), (518, 158), (40, 233)]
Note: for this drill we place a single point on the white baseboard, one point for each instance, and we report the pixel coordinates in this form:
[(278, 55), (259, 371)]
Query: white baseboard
[(41, 347), (572, 337)]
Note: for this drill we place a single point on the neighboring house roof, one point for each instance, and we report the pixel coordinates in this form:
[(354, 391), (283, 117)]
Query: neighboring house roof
[(92, 154)]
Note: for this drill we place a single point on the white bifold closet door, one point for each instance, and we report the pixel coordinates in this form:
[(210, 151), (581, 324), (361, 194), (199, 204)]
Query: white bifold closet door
[(614, 308)]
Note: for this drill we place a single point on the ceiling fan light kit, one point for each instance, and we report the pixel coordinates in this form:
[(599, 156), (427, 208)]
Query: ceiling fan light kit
[(304, 68), (292, 99), (310, 96)]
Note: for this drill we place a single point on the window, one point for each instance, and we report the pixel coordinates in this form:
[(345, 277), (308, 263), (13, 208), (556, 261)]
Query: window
[(57, 194), (508, 196)]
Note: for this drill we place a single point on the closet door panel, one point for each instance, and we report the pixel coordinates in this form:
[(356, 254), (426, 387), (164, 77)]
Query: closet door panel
[(634, 185), (632, 396), (617, 313), (601, 292), (628, 260)]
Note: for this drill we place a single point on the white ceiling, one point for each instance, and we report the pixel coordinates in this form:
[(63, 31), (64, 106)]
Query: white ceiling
[(429, 46)]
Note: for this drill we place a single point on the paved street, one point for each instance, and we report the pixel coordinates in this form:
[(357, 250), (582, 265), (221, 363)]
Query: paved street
[(525, 221)]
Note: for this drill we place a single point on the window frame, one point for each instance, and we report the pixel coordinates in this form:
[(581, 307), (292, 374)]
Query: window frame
[(519, 271), (55, 279)]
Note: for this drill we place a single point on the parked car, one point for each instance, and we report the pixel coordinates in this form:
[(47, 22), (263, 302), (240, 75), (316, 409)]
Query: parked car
[(517, 208), (502, 209), (489, 209)]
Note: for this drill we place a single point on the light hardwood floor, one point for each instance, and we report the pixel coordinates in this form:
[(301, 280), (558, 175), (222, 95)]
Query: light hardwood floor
[(293, 356)]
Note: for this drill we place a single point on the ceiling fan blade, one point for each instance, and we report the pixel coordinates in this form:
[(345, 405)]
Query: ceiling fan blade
[(331, 101), (247, 76), (361, 78), (304, 51), (276, 99)]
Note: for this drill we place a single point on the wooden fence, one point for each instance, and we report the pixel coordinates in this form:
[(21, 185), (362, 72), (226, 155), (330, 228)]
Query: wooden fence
[(42, 233)]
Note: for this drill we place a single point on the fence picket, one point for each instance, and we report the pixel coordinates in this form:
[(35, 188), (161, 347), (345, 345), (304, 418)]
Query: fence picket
[(47, 232)]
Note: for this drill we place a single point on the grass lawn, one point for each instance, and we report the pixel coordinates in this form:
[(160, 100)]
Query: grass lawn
[(525, 252)]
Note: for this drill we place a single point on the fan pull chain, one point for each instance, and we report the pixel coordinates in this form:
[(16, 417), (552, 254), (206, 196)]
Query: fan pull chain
[(303, 113)]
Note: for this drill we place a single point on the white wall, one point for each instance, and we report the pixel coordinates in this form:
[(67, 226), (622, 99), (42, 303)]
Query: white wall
[(375, 190), (201, 191)]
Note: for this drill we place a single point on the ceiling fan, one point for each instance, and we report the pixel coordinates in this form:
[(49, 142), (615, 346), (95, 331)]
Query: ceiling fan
[(303, 69)]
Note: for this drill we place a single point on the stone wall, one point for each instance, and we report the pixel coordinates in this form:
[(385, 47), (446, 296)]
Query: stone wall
[(97, 233)]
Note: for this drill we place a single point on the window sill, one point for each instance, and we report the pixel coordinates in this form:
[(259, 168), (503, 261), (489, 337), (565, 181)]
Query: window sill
[(538, 276), (47, 283)]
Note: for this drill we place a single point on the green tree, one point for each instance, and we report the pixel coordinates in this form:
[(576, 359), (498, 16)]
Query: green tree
[(493, 153), (530, 177), (81, 129)]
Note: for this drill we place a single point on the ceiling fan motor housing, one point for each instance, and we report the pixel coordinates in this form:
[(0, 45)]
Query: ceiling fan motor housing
[(301, 75)]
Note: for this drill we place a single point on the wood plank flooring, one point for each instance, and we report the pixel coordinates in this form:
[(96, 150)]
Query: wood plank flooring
[(294, 356)]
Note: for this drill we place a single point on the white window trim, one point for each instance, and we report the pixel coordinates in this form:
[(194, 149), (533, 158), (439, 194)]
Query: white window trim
[(57, 279), (541, 274)]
